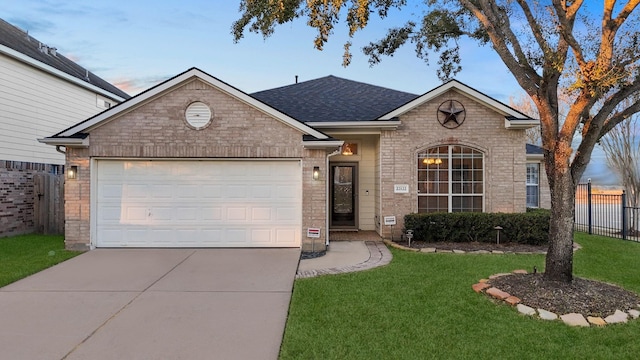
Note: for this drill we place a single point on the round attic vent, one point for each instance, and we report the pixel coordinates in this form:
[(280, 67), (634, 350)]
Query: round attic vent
[(198, 115)]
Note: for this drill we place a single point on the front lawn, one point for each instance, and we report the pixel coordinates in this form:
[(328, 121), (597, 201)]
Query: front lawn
[(421, 306), (21, 256)]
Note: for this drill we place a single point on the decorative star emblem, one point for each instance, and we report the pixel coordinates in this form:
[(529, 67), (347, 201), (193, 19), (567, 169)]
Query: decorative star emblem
[(451, 114)]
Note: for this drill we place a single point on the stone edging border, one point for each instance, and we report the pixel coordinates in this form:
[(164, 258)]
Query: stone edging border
[(431, 250), (572, 319)]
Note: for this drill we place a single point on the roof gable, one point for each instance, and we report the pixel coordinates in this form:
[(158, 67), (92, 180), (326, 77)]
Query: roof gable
[(330, 99), (510, 113), (168, 86), (21, 46)]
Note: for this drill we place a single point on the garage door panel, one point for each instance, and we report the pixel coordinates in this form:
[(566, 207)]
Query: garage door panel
[(187, 214), (261, 192), (211, 191), (136, 236), (110, 214), (211, 213), (262, 236), (261, 214), (237, 191), (135, 191), (157, 191), (286, 236), (111, 191), (134, 215), (198, 203), (160, 215), (237, 214), (289, 214), (235, 236)]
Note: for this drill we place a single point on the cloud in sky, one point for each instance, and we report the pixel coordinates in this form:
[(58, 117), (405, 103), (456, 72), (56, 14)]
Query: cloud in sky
[(136, 85)]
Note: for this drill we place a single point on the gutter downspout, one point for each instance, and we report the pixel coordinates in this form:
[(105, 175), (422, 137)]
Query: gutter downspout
[(61, 151), (328, 194)]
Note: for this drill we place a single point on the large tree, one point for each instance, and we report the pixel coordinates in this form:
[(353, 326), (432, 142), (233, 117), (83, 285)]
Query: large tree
[(591, 49)]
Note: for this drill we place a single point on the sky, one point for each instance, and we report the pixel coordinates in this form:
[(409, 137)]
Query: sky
[(136, 44)]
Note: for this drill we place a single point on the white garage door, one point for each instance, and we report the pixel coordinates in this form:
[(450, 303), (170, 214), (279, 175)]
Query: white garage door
[(198, 203)]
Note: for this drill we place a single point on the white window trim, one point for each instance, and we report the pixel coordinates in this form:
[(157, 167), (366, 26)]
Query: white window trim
[(537, 185), (450, 194)]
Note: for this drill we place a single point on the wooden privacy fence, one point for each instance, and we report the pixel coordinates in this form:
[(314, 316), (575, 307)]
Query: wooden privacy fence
[(48, 204)]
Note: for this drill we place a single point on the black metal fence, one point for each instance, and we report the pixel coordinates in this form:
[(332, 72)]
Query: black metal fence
[(606, 214)]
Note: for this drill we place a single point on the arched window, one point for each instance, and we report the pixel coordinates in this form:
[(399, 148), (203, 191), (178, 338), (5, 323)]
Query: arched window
[(450, 179)]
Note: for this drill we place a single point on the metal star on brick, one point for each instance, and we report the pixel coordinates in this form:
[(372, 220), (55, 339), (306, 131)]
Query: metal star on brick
[(451, 114)]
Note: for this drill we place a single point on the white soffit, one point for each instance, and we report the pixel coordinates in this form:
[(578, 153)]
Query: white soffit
[(322, 144)]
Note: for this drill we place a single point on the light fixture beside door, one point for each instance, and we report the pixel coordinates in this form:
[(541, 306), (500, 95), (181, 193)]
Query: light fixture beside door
[(72, 172)]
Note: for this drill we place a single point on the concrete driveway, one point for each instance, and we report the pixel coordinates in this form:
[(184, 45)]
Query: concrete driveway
[(151, 304)]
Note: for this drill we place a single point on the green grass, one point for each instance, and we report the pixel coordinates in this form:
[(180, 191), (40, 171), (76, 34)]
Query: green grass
[(421, 306), (21, 256)]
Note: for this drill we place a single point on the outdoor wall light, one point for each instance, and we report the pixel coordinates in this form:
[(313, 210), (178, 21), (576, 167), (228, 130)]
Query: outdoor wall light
[(316, 172), (72, 172)]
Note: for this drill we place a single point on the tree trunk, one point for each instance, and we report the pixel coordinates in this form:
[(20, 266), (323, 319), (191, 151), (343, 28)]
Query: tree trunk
[(559, 261)]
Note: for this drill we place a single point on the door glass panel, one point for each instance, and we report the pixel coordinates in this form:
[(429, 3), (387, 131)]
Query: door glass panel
[(343, 189), (343, 207)]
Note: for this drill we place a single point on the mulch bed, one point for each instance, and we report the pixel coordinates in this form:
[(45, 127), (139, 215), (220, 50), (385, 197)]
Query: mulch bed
[(475, 246), (582, 296)]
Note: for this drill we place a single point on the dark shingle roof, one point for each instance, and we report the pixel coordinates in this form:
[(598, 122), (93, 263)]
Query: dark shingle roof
[(18, 40), (534, 150), (332, 98)]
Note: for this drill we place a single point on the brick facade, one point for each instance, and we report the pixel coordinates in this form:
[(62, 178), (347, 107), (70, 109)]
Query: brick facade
[(483, 129), (157, 129)]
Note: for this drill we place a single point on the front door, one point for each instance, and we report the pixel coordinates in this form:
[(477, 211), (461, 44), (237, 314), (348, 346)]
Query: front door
[(344, 196)]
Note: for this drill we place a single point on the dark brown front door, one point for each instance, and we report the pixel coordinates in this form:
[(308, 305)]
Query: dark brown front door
[(343, 196)]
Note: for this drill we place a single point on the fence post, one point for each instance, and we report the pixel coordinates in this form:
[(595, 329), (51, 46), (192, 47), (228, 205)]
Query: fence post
[(624, 215), (589, 210)]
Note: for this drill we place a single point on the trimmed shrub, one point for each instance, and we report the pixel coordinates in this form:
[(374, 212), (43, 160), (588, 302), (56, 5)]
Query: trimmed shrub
[(530, 228)]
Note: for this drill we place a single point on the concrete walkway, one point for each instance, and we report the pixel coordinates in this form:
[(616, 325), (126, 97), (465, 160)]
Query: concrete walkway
[(151, 304)]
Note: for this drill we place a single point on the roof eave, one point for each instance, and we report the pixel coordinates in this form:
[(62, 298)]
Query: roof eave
[(55, 72), (66, 141), (320, 144), (363, 125), (520, 124)]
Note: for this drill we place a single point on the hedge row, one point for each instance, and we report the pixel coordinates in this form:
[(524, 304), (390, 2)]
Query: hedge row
[(530, 228)]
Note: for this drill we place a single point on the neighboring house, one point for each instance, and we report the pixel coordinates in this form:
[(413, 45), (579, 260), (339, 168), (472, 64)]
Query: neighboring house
[(195, 162), (41, 92)]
